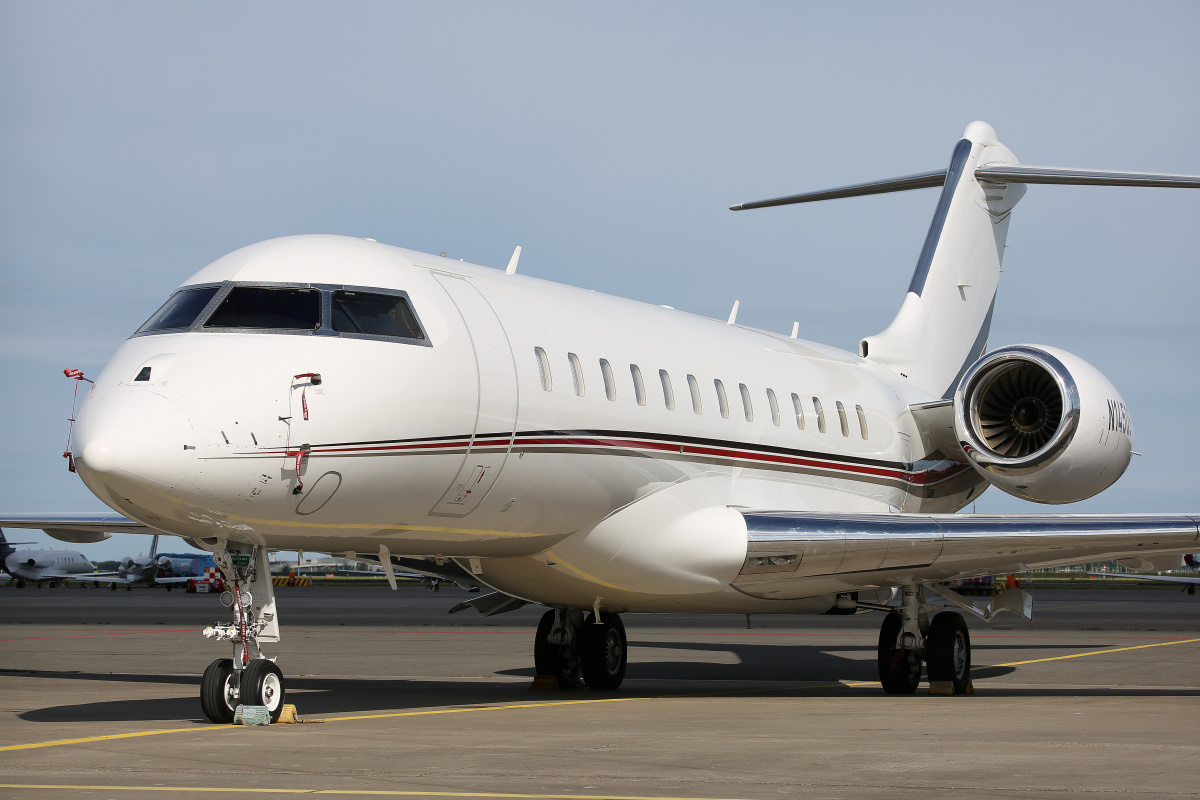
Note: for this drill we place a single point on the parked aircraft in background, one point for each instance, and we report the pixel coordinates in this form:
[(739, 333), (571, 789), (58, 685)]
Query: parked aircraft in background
[(1190, 582), (153, 570), (599, 455), (43, 566)]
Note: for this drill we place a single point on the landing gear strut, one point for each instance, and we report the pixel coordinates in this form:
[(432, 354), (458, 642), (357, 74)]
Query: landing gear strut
[(249, 678), (573, 648)]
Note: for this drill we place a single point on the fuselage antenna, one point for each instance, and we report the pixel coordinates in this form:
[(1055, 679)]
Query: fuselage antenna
[(511, 269)]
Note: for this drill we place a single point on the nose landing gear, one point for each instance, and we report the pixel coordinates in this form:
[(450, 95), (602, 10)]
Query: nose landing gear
[(249, 678)]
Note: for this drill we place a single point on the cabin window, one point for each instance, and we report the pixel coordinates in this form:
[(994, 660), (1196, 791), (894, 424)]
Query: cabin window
[(774, 403), (544, 369), (747, 406), (639, 389), (668, 392), (374, 315), (610, 384), (268, 308), (576, 374), (842, 418), (799, 407), (694, 388), (181, 310), (722, 400), (820, 414), (862, 421)]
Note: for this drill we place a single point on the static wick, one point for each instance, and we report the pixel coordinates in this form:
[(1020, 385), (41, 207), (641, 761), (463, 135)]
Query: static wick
[(511, 269)]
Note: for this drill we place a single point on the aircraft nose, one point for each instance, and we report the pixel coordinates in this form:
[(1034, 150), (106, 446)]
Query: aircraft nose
[(139, 435)]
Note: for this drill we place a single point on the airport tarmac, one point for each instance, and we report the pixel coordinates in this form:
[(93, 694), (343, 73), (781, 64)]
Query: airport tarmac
[(1098, 696)]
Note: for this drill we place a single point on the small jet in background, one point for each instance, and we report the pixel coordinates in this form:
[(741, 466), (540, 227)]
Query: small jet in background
[(43, 566), (154, 570), (1191, 560)]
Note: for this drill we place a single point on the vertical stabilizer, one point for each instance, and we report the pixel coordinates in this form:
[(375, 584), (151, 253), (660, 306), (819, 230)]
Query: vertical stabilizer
[(943, 324)]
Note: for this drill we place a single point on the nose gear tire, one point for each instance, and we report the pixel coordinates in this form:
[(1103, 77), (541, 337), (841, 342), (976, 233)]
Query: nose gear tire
[(216, 696), (262, 685)]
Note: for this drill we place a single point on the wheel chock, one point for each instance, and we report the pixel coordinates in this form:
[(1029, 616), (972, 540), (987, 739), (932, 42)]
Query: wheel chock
[(941, 687), (544, 682), (251, 715), (288, 714)]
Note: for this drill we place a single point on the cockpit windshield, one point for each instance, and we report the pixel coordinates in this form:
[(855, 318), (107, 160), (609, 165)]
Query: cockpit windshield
[(181, 310), (321, 310), (374, 314), (268, 308)]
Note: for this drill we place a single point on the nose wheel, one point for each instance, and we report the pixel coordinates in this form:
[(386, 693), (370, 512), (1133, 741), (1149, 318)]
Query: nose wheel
[(220, 691), (262, 685)]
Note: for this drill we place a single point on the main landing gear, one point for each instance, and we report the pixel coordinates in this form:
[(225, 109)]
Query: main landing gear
[(910, 638), (578, 650), (249, 678)]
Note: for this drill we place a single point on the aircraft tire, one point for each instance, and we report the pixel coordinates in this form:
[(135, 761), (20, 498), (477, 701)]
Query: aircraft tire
[(553, 659), (603, 651), (948, 650), (215, 693), (899, 672), (262, 685)]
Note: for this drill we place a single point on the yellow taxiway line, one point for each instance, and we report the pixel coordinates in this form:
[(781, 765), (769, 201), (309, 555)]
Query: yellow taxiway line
[(349, 792), (516, 706)]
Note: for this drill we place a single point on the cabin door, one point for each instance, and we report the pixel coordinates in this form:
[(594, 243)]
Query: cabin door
[(496, 418)]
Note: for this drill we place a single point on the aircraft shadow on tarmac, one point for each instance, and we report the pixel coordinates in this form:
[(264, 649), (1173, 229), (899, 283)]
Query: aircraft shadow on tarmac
[(756, 663)]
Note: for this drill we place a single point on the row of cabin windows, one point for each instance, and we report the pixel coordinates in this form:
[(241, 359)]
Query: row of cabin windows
[(668, 390)]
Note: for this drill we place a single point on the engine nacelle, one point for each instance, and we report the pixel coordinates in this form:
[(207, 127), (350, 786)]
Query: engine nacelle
[(1042, 424)]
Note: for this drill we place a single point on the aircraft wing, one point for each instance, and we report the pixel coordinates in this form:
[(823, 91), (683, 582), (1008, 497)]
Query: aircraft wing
[(793, 554), (1194, 579), (77, 527)]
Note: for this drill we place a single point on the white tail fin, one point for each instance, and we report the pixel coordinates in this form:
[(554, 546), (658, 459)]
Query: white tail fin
[(943, 324)]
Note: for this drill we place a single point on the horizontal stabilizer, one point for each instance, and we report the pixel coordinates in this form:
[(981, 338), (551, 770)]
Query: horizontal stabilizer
[(924, 180), (1024, 173), (1009, 173)]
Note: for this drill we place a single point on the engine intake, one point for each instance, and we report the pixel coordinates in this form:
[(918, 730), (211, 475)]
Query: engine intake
[(1042, 424)]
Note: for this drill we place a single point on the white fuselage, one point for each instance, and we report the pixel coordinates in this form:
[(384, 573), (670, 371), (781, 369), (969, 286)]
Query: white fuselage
[(500, 437)]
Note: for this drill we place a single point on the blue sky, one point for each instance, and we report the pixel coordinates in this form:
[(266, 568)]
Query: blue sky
[(139, 141)]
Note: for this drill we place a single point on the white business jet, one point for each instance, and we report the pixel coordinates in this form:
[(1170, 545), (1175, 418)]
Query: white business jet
[(599, 455), (43, 566)]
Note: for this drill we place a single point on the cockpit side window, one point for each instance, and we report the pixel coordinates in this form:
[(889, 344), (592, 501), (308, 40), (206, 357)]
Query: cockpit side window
[(374, 315), (181, 310), (269, 309)]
